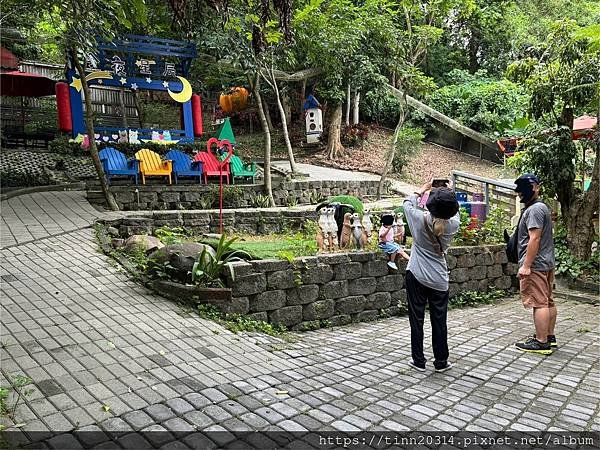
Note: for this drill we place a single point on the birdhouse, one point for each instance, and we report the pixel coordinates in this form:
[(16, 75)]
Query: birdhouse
[(314, 125)]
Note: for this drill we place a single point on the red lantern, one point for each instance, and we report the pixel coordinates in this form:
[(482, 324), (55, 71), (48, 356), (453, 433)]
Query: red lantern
[(63, 106), (197, 114)]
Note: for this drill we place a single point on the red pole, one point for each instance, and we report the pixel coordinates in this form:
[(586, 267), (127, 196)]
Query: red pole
[(220, 199)]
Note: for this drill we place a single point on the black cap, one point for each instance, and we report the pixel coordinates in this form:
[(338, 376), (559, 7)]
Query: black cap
[(442, 203), (525, 179)]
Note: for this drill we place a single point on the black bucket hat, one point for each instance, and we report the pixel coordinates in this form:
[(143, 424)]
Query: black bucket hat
[(442, 203)]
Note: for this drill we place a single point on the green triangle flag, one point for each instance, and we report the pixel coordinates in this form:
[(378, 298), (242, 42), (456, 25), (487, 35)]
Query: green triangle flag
[(226, 132)]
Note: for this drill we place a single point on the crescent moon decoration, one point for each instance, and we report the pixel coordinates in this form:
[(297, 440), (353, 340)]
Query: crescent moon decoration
[(185, 94)]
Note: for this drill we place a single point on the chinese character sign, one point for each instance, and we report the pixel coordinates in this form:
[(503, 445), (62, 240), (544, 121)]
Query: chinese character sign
[(118, 66), (145, 66), (169, 70)]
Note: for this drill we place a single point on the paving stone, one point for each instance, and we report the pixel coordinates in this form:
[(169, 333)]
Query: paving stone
[(198, 441), (160, 412), (63, 441), (115, 424), (179, 406), (157, 435), (138, 419)]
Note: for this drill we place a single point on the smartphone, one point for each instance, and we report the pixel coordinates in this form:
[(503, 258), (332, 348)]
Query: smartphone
[(439, 182)]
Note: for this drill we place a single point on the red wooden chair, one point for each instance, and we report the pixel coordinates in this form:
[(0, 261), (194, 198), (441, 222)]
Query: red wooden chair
[(211, 166)]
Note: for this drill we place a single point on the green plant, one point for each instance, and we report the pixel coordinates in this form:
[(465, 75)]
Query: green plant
[(207, 269), (474, 298), (168, 235), (571, 267), (314, 198), (237, 322), (471, 232), (18, 384), (409, 142), (290, 200), (259, 201)]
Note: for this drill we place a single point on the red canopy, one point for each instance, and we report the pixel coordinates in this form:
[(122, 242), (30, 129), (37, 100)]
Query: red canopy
[(23, 84), (583, 126), (8, 60)]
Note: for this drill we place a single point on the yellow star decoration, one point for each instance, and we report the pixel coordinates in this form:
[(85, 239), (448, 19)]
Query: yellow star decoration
[(76, 83)]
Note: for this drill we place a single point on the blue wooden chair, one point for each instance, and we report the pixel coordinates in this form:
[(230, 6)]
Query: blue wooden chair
[(184, 166), (115, 163)]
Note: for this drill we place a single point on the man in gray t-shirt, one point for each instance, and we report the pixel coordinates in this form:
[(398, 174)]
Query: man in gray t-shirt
[(536, 265)]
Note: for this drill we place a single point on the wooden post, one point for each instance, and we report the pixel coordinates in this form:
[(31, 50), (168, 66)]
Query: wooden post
[(123, 110)]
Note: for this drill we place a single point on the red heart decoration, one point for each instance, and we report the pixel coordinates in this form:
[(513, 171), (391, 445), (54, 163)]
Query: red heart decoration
[(220, 144)]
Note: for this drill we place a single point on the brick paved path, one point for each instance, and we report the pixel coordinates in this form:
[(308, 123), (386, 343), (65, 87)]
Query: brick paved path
[(105, 354)]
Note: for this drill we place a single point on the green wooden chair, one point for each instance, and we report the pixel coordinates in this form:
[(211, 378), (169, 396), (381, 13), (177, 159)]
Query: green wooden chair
[(241, 170)]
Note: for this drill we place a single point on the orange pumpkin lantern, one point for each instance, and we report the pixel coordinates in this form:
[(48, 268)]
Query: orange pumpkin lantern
[(235, 100)]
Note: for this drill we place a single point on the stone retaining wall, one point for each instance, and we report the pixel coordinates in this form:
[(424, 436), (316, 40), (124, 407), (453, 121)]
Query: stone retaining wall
[(256, 221), (337, 289), (189, 196)]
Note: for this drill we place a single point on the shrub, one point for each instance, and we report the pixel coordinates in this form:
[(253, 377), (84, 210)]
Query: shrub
[(354, 135), (24, 179), (61, 145), (490, 232), (571, 267), (409, 142)]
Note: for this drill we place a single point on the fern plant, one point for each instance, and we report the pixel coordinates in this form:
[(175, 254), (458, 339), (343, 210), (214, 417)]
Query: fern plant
[(207, 269)]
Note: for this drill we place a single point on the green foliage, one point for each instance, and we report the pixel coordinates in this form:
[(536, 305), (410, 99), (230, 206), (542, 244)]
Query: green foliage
[(348, 200), (571, 267), (259, 201), (314, 198), (238, 323), (480, 102), (490, 232), (474, 298), (18, 385), (11, 178), (208, 269), (61, 145), (409, 142), (380, 108), (170, 235)]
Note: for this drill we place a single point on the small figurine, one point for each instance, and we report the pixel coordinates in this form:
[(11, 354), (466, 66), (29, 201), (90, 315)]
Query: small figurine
[(166, 135), (332, 229), (155, 136), (367, 224), (123, 137), (133, 137), (346, 231), (322, 232), (358, 233), (399, 228)]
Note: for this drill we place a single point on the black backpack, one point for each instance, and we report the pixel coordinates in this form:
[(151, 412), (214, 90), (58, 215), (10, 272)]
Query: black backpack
[(512, 243)]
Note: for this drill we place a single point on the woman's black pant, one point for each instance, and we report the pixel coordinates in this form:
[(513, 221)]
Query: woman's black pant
[(418, 297)]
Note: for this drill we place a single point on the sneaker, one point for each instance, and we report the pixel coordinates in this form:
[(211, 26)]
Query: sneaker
[(534, 346), (445, 368), (551, 340), (414, 366), (392, 265)]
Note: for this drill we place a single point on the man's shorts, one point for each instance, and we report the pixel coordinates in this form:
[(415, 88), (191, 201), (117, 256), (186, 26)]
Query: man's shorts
[(536, 290)]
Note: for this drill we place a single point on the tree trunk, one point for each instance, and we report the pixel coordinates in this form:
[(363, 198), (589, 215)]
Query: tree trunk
[(267, 133), (122, 103), (473, 50), (89, 119), (285, 101), (348, 100), (334, 143), (392, 152), (355, 108), (302, 98), (286, 135), (580, 218), (267, 114)]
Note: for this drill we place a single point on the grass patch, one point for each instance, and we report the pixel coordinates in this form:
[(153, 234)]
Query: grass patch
[(238, 323), (273, 246)]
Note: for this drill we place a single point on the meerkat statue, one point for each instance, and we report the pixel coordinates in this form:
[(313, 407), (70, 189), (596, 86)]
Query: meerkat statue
[(321, 236), (346, 231), (358, 233), (367, 224), (332, 229), (399, 228)]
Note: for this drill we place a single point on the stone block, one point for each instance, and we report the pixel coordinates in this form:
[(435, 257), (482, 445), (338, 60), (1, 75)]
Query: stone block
[(484, 285), (378, 300), (465, 260), (148, 197), (350, 305), (453, 289), (459, 275), (347, 271), (239, 305), (504, 282), (124, 197), (390, 283), (191, 196), (494, 271), (282, 279), (399, 297), (394, 311), (260, 316), (249, 285), (511, 269), (451, 260), (340, 320), (362, 286), (362, 256), (366, 316), (500, 257), (321, 309), (484, 259), (477, 272), (376, 268), (270, 265), (317, 275), (302, 295), (334, 289), (288, 316), (472, 285), (334, 258), (268, 301), (241, 268)]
